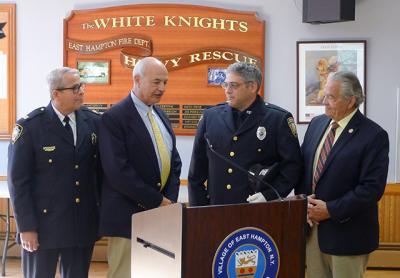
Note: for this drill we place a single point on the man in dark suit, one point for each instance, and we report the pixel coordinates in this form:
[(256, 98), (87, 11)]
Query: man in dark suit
[(52, 178), (246, 131), (140, 161), (346, 163)]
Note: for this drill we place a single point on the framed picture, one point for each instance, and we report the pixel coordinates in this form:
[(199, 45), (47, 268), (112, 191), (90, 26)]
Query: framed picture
[(94, 71), (316, 60), (7, 71), (215, 76)]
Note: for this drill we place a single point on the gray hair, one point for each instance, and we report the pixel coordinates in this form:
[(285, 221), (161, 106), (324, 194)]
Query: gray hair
[(350, 85), (55, 78), (248, 72)]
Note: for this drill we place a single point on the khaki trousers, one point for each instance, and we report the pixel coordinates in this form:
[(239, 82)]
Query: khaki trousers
[(321, 265), (119, 257)]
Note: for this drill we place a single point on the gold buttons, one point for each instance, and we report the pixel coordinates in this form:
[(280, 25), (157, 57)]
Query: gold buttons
[(158, 184), (44, 210), (77, 183), (76, 166), (50, 160), (230, 170), (77, 200), (235, 138), (259, 150), (232, 154), (228, 186)]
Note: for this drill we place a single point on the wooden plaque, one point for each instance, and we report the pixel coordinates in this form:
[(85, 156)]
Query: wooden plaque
[(195, 43)]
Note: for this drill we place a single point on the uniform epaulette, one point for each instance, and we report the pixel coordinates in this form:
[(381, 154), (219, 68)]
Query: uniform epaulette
[(275, 107), (85, 109), (33, 114)]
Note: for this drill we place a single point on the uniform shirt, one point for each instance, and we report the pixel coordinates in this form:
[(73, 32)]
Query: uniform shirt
[(239, 117), (342, 125), (143, 108), (72, 121)]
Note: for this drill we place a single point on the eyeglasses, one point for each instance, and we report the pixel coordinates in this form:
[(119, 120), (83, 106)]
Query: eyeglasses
[(233, 85), (75, 89)]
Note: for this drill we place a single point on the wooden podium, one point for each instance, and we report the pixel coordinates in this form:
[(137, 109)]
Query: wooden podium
[(192, 242)]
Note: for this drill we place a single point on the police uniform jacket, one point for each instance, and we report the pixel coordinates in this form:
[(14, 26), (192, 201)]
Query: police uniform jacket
[(351, 183), (132, 179), (52, 183), (268, 135)]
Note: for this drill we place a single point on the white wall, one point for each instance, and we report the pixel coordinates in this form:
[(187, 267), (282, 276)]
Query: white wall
[(40, 38)]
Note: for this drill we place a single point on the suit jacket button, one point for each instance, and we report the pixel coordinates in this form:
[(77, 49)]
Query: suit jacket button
[(235, 138), (50, 160), (232, 154), (77, 183), (77, 200), (230, 170), (76, 166), (158, 184), (44, 210), (228, 186), (259, 150)]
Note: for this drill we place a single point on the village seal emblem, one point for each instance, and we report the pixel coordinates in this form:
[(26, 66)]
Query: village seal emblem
[(246, 253)]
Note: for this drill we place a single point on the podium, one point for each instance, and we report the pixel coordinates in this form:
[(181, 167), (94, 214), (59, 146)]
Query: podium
[(239, 240)]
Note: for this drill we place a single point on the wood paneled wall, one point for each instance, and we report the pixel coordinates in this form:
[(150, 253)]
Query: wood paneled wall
[(389, 216)]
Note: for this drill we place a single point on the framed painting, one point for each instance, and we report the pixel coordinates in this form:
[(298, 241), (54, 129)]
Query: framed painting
[(7, 70), (316, 60)]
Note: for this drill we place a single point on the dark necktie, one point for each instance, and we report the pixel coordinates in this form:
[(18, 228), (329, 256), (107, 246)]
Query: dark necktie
[(326, 149), (68, 128)]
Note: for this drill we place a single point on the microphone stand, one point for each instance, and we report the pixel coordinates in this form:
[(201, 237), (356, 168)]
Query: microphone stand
[(241, 168)]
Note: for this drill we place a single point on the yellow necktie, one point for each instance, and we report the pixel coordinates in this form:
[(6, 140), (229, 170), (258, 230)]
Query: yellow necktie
[(162, 150)]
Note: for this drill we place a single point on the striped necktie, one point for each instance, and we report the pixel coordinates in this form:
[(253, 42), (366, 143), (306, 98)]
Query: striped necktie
[(162, 150), (326, 148)]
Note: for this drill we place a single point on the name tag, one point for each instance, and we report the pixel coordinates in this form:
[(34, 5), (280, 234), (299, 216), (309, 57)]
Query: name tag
[(49, 148)]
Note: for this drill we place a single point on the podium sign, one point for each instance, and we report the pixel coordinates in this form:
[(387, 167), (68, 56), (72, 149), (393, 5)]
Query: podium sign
[(242, 240)]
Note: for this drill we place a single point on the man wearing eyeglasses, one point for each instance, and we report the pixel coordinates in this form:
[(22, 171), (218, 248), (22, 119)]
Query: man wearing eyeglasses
[(52, 178), (245, 131)]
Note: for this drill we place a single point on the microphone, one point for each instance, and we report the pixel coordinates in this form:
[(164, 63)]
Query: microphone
[(251, 174)]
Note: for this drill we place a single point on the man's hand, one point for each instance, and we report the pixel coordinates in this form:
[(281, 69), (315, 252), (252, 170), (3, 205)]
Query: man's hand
[(29, 241), (165, 202), (256, 198), (317, 210)]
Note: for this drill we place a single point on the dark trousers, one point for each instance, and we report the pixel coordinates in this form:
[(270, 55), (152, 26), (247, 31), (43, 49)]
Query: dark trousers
[(74, 262)]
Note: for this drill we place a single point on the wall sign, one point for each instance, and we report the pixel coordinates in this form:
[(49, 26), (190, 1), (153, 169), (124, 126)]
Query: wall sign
[(193, 42)]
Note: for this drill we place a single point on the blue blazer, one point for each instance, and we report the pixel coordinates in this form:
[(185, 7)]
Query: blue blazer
[(132, 177), (352, 182)]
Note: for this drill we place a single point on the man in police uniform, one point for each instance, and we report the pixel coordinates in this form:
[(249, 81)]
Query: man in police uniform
[(52, 177), (246, 131)]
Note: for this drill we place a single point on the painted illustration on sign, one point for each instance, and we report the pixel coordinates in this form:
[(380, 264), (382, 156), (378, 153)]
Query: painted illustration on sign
[(94, 72), (216, 76)]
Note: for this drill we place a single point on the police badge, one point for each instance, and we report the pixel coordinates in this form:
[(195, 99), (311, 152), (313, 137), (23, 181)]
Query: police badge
[(261, 133), (17, 131), (94, 138)]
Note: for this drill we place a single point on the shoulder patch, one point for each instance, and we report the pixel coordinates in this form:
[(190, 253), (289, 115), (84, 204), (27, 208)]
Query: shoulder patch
[(292, 126), (17, 132)]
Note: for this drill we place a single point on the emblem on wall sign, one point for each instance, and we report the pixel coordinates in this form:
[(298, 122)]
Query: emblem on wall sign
[(246, 253)]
